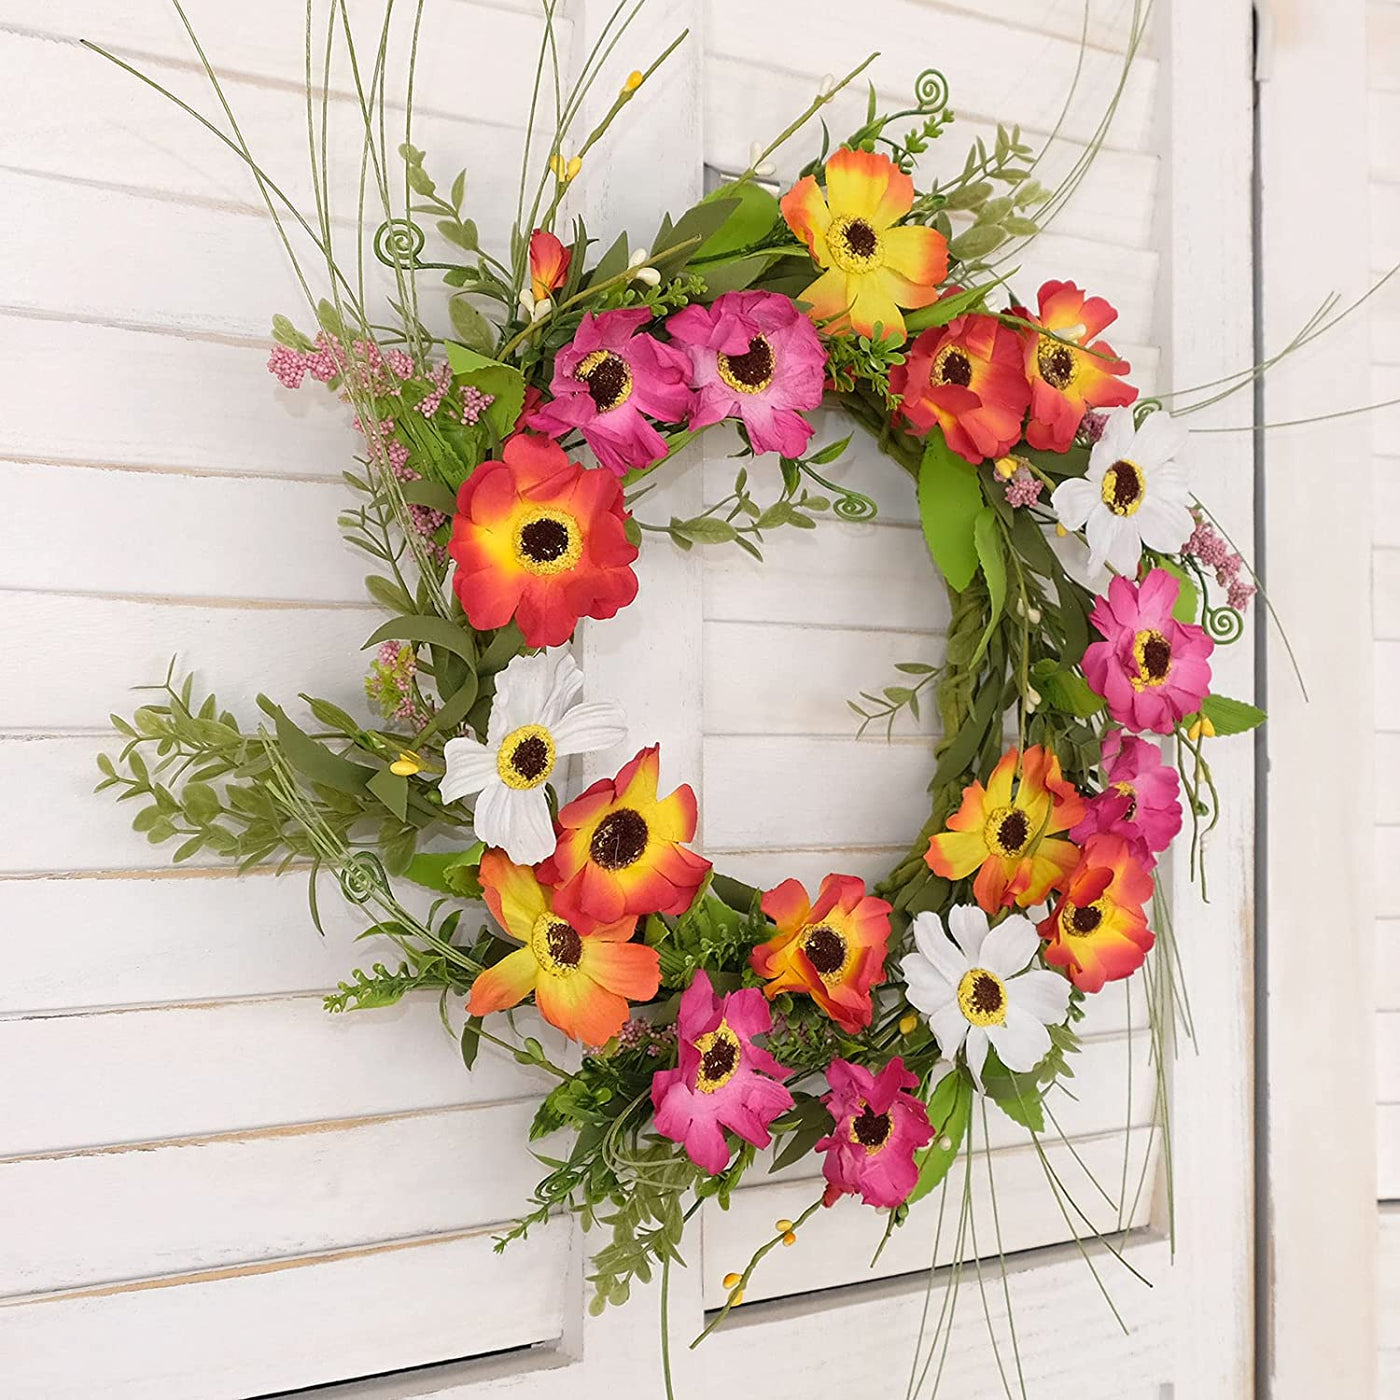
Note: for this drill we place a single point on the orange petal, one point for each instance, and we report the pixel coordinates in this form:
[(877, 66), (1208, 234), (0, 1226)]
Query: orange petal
[(999, 784), (955, 854), (828, 296), (507, 984), (805, 209), (512, 894), (582, 1009), (866, 185), (787, 905), (875, 306), (631, 970), (920, 256)]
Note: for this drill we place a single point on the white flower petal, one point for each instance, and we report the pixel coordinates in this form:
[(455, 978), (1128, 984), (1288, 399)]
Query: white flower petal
[(1102, 532), (517, 820), (1164, 524), (1010, 946), (977, 1052), (1021, 1042), (968, 925), (565, 684), (1073, 555), (925, 987), (597, 725), (1125, 549), (1117, 440), (1044, 995), (950, 1028), (1072, 501), (1160, 439), (521, 691), (470, 767), (940, 955)]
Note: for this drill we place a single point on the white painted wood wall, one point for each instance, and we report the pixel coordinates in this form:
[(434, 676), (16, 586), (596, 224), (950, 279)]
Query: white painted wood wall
[(210, 1188)]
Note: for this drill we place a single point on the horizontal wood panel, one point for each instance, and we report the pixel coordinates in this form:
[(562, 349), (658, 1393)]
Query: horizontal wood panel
[(1388, 1151), (175, 936), (1106, 24), (165, 536), (1387, 792), (250, 1330), (833, 1240), (1386, 598), (1385, 496), (764, 678), (179, 1071), (1388, 1057), (1387, 684), (159, 400), (1387, 863), (1383, 110), (116, 644), (86, 1220), (1388, 1269), (1388, 964)]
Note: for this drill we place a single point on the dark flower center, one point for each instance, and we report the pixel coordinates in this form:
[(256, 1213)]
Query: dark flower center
[(619, 840), (1153, 654), (826, 950), (565, 945), (751, 372), (1055, 362), (1130, 792), (1015, 828), (953, 367), (861, 239), (718, 1061), (531, 757), (1123, 488), (1081, 921), (545, 540), (870, 1129), (987, 996), (609, 379)]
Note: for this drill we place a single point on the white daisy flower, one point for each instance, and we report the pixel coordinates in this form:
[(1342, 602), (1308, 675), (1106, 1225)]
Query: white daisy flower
[(977, 989), (1135, 493), (532, 727)]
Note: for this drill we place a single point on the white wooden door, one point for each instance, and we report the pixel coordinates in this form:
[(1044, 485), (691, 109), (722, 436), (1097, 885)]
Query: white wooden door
[(215, 1190)]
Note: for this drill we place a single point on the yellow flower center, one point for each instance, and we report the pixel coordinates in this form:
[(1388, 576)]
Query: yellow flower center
[(751, 372), (1152, 655), (952, 365), (1007, 831), (854, 245), (619, 840), (827, 951), (1057, 362), (1124, 488), (547, 541), (719, 1058), (1130, 792), (609, 379), (556, 945), (982, 997), (526, 757), (1080, 920), (871, 1130)]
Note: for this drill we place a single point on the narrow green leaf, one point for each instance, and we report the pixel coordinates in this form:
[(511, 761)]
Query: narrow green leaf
[(950, 495), (991, 555), (949, 1109), (1231, 716), (392, 790), (436, 631), (449, 872)]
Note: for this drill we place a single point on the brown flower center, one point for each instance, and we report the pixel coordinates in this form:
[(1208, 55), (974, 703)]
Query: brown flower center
[(826, 950), (1124, 488), (619, 839), (1055, 362), (526, 757), (870, 1129), (547, 541), (751, 372), (1008, 831), (1152, 655), (557, 946), (854, 244), (609, 379), (719, 1058), (1079, 921), (982, 997), (952, 366)]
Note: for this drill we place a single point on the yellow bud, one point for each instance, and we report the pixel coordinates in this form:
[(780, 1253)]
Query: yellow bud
[(1201, 729), (789, 1238), (1005, 467), (406, 765), (737, 1298), (908, 1024), (731, 1281), (782, 1226), (574, 166), (634, 80), (1061, 531)]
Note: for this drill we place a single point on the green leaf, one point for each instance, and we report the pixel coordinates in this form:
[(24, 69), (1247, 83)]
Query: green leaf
[(949, 1109), (432, 494), (392, 790), (201, 802), (612, 262), (454, 710), (702, 222), (750, 220), (388, 594), (951, 307), (976, 243), (505, 383), (471, 1040), (314, 760), (734, 276), (950, 497), (1064, 690), (986, 536), (1231, 716), (704, 529), (470, 326), (1188, 598), (436, 631), (831, 451), (450, 872), (1017, 1095)]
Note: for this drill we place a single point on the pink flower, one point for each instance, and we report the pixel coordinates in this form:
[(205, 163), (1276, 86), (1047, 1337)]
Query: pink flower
[(607, 380), (1140, 801), (724, 1079), (1151, 669), (757, 358), (879, 1127)]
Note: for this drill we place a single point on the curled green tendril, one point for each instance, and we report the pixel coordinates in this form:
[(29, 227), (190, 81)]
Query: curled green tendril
[(1143, 408), (362, 877), (848, 504), (398, 243), (1223, 624), (931, 90)]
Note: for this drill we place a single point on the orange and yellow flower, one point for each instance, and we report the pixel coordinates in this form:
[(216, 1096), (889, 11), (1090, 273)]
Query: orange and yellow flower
[(549, 264), (834, 950), (539, 539), (582, 981), (1008, 832), (1068, 379), (874, 265), (620, 851), (1098, 931)]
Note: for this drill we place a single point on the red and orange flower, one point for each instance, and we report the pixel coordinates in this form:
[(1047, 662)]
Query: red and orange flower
[(834, 950), (874, 265), (1070, 372), (967, 378), (620, 851), (539, 539), (582, 981), (1098, 931), (1009, 832), (549, 264)]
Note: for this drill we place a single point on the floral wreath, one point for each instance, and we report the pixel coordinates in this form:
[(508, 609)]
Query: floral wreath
[(713, 1021)]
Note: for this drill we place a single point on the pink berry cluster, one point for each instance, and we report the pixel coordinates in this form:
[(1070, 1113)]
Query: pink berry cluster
[(1024, 488), (390, 685), (651, 1040), (1213, 550)]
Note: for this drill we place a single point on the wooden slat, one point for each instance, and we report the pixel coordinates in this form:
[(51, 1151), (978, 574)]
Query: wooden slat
[(1387, 754), (1388, 1269), (1105, 24), (1387, 964), (1387, 683), (1384, 112), (177, 1071), (1386, 598), (247, 1330), (1388, 1151), (1387, 863), (1385, 496), (233, 1199), (1388, 1057)]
